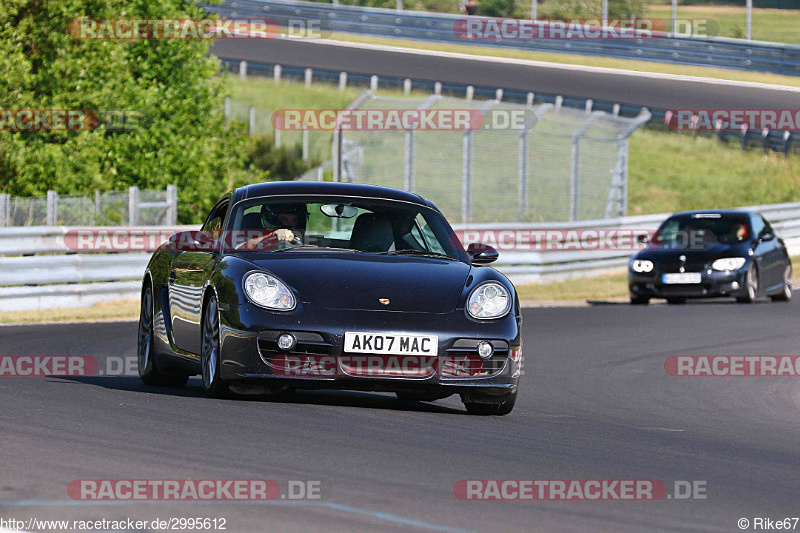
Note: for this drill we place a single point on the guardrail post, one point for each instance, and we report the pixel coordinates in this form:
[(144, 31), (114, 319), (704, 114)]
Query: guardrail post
[(373, 83), (305, 145), (243, 69), (589, 105), (470, 92), (749, 22), (529, 100), (437, 88), (342, 81), (309, 73), (172, 205), (408, 176), (133, 206), (276, 73), (498, 95), (615, 111), (251, 121), (52, 208), (227, 111), (559, 102), (406, 86), (523, 175), (466, 178), (5, 210)]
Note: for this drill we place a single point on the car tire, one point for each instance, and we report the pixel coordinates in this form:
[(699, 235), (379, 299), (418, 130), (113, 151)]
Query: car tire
[(148, 365), (751, 286), (214, 386), (676, 301), (488, 409), (640, 300), (786, 291)]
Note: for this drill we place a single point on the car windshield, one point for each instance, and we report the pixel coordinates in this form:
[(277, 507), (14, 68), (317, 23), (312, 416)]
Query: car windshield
[(343, 223), (712, 228)]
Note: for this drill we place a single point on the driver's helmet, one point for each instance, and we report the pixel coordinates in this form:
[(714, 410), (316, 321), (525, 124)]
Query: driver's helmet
[(284, 216)]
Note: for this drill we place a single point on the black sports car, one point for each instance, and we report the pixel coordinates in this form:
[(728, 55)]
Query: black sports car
[(711, 254), (293, 285)]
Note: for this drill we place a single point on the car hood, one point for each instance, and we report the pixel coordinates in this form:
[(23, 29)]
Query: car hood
[(710, 252), (358, 281)]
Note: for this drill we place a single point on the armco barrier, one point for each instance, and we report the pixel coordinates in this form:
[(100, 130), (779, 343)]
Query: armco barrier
[(50, 275), (707, 51)]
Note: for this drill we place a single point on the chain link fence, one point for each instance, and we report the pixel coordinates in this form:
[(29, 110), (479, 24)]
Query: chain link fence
[(134, 207), (565, 165)]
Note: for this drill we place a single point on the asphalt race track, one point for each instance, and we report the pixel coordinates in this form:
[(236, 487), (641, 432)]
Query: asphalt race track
[(654, 92), (595, 403)]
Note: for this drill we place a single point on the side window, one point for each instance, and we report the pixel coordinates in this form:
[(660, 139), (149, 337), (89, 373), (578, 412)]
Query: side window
[(758, 225), (215, 219), (431, 242)]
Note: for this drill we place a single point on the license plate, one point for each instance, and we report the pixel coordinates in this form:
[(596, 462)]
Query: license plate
[(683, 278), (390, 344)]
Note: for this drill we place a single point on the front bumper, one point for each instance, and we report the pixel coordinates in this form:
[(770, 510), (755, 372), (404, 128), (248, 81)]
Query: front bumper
[(250, 357), (713, 284)]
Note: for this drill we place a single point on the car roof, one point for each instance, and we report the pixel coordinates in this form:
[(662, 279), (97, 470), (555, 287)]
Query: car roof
[(279, 188)]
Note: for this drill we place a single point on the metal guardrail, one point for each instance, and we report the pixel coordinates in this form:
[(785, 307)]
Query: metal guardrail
[(706, 51), (37, 281)]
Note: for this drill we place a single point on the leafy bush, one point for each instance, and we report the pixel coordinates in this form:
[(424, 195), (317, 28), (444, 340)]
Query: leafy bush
[(173, 83), (284, 163)]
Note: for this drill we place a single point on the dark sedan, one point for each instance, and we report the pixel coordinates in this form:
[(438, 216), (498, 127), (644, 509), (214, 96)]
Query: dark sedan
[(707, 254), (293, 285)]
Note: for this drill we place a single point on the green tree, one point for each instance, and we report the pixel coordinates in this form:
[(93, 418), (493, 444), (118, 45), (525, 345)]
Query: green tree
[(172, 83)]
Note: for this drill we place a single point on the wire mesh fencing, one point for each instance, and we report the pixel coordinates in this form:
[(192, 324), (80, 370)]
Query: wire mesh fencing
[(562, 164), (134, 207)]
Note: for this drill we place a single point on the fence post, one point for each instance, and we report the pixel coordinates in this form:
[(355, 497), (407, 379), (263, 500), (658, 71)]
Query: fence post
[(337, 153), (574, 184), (674, 15), (172, 205), (399, 5), (5, 210), (466, 178), (342, 81), (133, 206), (243, 69), (96, 206), (277, 137), (251, 122), (276, 73), (52, 208), (309, 73), (227, 111), (523, 175), (749, 22), (305, 145), (408, 179)]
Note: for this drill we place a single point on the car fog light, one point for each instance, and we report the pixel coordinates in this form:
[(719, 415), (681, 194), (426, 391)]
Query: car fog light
[(485, 350), (735, 285), (286, 341)]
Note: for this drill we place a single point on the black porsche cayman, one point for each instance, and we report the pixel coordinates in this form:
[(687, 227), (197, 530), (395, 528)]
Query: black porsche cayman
[(293, 285), (711, 254)]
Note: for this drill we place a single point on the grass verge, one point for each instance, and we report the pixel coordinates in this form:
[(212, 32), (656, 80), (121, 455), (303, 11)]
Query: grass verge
[(122, 309)]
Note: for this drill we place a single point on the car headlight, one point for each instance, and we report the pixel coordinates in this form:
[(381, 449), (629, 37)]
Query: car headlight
[(728, 263), (268, 291), (641, 265), (489, 300)]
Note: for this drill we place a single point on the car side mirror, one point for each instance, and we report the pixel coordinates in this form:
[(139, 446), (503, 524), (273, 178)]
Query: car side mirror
[(766, 236), (481, 254), (642, 239)]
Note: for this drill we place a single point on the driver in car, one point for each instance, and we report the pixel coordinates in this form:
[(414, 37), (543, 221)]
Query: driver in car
[(283, 222)]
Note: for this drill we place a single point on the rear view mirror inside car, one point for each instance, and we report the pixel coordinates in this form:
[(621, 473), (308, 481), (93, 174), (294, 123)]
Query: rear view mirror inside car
[(339, 210)]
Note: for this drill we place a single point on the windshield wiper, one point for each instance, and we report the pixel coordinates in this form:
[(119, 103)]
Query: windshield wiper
[(421, 253), (324, 248)]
